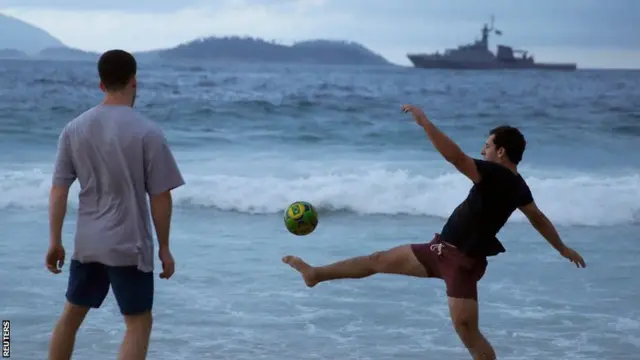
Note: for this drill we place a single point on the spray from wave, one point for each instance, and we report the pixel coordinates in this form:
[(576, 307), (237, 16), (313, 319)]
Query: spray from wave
[(572, 200)]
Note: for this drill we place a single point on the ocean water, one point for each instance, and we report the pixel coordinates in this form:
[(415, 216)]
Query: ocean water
[(250, 139)]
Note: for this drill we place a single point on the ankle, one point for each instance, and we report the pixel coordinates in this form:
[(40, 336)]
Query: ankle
[(313, 274), (483, 350)]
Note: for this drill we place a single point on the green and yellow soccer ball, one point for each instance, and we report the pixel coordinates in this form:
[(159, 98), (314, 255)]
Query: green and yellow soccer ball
[(301, 218)]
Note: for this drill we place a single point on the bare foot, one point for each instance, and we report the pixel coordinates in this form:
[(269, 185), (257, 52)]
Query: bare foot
[(306, 270)]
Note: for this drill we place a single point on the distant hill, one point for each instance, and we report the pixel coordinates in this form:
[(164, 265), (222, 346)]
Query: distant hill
[(347, 52), (13, 54), (20, 40), (18, 35), (67, 53), (258, 50)]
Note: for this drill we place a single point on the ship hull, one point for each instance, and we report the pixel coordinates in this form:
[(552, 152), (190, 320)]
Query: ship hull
[(424, 62)]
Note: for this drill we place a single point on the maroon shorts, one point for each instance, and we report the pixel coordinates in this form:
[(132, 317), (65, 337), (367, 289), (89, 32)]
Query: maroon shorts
[(460, 272)]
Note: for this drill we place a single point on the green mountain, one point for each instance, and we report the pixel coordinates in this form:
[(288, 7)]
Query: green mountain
[(248, 49)]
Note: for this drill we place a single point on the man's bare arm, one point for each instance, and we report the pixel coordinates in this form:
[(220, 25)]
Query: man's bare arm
[(161, 209), (544, 226), (445, 146), (64, 175), (58, 197)]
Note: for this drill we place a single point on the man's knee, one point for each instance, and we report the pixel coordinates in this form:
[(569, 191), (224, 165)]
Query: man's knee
[(398, 260), (465, 326), (377, 261), (383, 262), (141, 322), (73, 315), (464, 315)]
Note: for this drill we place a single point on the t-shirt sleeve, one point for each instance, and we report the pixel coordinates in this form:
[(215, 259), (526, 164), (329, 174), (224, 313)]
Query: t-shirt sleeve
[(161, 171), (64, 173), (526, 197)]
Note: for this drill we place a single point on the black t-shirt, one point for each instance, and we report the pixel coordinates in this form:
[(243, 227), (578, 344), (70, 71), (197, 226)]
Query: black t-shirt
[(473, 225)]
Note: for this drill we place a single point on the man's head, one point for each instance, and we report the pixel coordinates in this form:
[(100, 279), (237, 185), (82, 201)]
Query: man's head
[(117, 70), (504, 145)]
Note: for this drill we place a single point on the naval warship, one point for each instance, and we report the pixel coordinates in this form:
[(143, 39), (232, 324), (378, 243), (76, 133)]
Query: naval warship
[(477, 55)]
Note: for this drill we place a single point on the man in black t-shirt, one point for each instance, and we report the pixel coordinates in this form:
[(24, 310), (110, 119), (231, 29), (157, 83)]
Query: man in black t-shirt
[(458, 255)]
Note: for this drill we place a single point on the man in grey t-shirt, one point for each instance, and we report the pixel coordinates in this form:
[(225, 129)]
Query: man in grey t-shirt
[(119, 158)]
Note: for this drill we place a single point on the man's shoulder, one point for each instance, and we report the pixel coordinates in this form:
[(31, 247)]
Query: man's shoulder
[(140, 121), (147, 128), (522, 183), (494, 168), (152, 132), (128, 115), (489, 164), (140, 126), (489, 170), (81, 118), (117, 120), (108, 113), (130, 118)]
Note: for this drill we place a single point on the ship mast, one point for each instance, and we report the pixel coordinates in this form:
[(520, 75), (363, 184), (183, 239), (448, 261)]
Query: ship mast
[(486, 30)]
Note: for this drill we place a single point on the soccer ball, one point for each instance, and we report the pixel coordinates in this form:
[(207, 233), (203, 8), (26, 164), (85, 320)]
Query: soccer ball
[(301, 218)]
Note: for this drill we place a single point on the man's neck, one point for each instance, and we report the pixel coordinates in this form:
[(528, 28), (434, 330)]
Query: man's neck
[(117, 100), (512, 167)]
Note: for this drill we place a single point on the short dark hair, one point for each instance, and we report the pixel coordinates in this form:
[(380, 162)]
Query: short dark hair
[(116, 68), (511, 139)]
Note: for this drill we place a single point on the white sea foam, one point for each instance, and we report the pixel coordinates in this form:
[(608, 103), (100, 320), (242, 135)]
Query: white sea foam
[(568, 199)]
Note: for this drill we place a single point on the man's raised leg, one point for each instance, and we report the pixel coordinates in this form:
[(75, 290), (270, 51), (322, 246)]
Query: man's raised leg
[(464, 314), (399, 260)]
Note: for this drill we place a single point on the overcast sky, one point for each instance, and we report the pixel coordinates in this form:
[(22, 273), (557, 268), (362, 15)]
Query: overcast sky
[(593, 33)]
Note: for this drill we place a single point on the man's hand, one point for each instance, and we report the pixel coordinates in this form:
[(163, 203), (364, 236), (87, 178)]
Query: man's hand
[(418, 114), (55, 258), (168, 265), (573, 256)]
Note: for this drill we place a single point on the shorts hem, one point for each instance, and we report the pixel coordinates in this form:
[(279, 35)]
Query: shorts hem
[(134, 312), (75, 302)]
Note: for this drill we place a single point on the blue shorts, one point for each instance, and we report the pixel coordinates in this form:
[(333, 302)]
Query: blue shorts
[(89, 285)]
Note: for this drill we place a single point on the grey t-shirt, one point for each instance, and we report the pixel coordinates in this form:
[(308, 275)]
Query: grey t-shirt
[(118, 157)]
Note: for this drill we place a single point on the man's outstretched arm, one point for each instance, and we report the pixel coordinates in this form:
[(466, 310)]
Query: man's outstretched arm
[(545, 227), (445, 146)]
